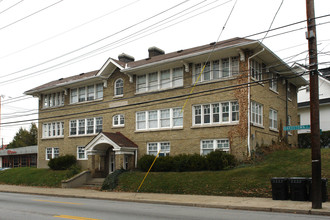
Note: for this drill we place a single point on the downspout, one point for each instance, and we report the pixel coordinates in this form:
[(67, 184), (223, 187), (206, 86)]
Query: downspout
[(249, 102)]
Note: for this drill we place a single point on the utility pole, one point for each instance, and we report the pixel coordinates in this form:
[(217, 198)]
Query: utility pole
[(314, 107)]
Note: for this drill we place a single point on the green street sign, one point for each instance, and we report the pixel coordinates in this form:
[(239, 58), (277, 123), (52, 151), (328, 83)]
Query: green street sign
[(296, 127)]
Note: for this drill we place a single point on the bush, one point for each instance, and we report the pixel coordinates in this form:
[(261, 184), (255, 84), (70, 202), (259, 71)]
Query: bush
[(62, 162), (217, 160), (111, 181)]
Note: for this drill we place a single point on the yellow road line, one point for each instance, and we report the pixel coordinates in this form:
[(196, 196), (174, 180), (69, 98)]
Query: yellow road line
[(72, 203), (74, 217)]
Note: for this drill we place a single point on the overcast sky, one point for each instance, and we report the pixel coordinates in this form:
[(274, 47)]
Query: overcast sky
[(44, 40)]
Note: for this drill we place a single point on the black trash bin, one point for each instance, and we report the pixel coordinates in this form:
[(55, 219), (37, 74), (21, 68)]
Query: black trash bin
[(298, 188), (324, 191), (280, 189)]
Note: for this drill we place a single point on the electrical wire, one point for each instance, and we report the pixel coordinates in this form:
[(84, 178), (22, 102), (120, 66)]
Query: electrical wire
[(1, 12)]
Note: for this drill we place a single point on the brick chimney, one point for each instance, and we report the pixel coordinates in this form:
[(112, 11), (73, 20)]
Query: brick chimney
[(155, 51), (125, 58)]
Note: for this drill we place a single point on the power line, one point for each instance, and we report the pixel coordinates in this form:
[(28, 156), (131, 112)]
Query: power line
[(11, 7)]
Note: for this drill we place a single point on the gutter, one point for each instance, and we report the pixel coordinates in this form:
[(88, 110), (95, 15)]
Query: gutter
[(249, 102)]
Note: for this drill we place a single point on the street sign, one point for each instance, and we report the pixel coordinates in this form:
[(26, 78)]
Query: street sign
[(296, 127)]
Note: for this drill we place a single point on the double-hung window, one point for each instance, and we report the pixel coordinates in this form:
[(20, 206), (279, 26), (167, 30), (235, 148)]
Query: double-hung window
[(52, 152), (118, 120), (257, 113), (165, 79), (53, 130), (273, 119), (119, 87), (86, 93), (255, 70), (273, 82), (81, 153), (85, 126), (162, 147), (53, 100), (207, 146), (216, 113), (159, 119)]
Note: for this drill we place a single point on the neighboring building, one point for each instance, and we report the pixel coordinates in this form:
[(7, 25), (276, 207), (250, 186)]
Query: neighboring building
[(324, 100), (2, 147), (110, 117), (19, 157)]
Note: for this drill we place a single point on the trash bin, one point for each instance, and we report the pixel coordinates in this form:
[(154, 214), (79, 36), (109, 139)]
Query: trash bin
[(280, 189), (324, 183), (298, 188)]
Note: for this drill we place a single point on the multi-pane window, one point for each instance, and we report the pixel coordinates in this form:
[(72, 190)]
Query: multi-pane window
[(216, 69), (164, 79), (86, 126), (207, 146), (119, 87), (273, 82), (118, 120), (81, 153), (53, 129), (273, 119), (257, 113), (155, 147), (86, 93), (216, 113), (255, 70), (53, 100), (289, 123), (52, 152), (159, 119)]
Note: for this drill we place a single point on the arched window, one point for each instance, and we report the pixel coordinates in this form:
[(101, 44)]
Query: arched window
[(118, 120), (119, 87)]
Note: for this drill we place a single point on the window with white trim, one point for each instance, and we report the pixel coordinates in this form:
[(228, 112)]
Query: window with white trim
[(255, 70), (163, 79), (256, 113), (85, 126), (119, 87), (216, 113), (53, 129), (118, 120), (207, 146), (81, 153), (272, 119), (86, 93), (289, 123), (155, 147), (52, 152), (53, 100), (273, 82), (216, 69), (159, 119)]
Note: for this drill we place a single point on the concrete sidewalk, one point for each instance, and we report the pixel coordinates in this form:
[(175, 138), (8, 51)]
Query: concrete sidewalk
[(224, 202)]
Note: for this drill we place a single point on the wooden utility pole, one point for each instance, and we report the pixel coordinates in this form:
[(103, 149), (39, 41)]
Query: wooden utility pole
[(314, 107)]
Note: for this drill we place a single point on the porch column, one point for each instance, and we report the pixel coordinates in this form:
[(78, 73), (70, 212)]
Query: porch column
[(119, 161)]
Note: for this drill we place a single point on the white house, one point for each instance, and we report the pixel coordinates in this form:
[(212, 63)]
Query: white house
[(324, 101)]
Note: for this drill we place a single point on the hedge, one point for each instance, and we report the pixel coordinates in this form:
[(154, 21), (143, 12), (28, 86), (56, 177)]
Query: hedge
[(62, 162), (217, 160)]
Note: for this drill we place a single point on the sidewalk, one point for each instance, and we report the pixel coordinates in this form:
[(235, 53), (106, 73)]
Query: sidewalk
[(224, 202)]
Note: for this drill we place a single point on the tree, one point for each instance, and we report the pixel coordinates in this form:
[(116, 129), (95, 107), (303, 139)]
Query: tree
[(24, 137)]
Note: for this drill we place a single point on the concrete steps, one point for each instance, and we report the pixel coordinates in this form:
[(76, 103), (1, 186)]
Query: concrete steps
[(94, 183)]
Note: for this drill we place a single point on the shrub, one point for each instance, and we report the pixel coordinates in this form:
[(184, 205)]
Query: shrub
[(217, 160), (62, 162), (145, 162), (111, 181), (163, 164)]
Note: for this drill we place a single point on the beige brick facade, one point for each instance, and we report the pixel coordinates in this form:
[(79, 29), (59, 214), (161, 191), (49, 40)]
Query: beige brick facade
[(185, 139)]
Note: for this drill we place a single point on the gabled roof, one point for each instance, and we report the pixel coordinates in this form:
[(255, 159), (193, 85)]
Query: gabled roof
[(120, 139)]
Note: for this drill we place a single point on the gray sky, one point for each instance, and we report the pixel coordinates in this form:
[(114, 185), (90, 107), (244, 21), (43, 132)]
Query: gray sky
[(44, 40)]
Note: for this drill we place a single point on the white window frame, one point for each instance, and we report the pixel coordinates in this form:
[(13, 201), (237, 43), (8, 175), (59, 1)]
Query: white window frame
[(96, 130), (255, 70), (273, 82), (273, 119), (256, 113), (170, 121), (118, 120), (290, 123), (82, 93), (213, 144), (144, 83), (53, 100), (81, 150), (119, 88), (164, 147), (53, 151), (215, 69), (215, 111), (50, 129)]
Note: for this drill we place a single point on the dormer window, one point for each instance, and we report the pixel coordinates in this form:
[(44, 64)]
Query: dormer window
[(119, 87)]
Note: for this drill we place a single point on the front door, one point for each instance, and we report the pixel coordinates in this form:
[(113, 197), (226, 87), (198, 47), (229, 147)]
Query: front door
[(112, 165)]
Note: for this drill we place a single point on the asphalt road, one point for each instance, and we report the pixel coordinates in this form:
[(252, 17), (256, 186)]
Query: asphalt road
[(14, 206)]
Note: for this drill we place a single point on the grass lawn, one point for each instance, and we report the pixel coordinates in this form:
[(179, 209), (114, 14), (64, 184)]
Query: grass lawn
[(34, 177), (246, 180)]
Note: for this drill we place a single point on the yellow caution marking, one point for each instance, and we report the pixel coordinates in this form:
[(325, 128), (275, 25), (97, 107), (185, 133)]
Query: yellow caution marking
[(74, 217), (72, 203)]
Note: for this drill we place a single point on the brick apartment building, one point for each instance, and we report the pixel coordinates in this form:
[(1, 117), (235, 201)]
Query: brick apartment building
[(110, 117)]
